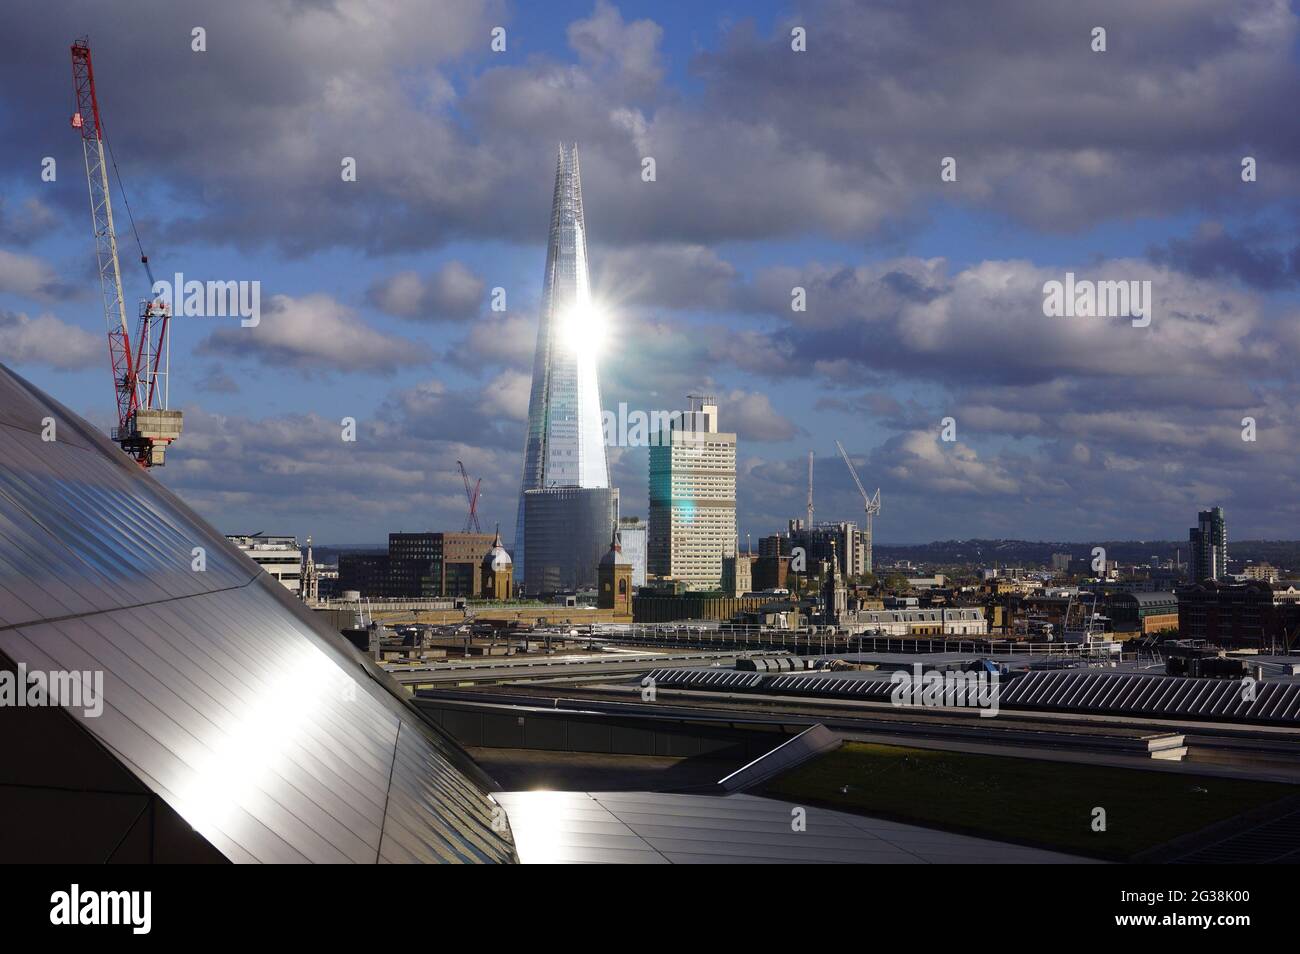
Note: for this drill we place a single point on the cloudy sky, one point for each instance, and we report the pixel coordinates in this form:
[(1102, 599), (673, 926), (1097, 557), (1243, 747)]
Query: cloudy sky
[(774, 169)]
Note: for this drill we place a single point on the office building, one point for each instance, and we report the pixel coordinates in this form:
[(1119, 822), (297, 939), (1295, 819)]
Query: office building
[(1261, 571), (771, 572), (365, 573), (937, 621), (431, 565), (632, 533), (1251, 615), (692, 497), (417, 566), (1209, 547), (655, 604), (279, 556), (1142, 613), (851, 546), (565, 444), (566, 532)]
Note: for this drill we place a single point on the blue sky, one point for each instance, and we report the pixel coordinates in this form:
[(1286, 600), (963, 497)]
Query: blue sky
[(776, 168)]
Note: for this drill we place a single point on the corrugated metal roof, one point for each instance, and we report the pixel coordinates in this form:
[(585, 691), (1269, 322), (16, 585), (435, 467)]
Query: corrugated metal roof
[(1161, 696), (1158, 696), (705, 678)]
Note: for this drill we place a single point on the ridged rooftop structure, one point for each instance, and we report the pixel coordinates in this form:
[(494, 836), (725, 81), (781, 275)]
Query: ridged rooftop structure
[(234, 724)]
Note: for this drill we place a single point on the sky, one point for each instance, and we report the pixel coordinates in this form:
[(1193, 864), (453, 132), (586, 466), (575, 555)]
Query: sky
[(775, 169)]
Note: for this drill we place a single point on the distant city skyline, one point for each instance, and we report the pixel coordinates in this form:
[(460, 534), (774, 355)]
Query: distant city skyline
[(773, 170)]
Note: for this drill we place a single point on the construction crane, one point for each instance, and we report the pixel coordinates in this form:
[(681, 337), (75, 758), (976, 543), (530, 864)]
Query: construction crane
[(471, 496), (871, 504), (145, 427), (810, 490)]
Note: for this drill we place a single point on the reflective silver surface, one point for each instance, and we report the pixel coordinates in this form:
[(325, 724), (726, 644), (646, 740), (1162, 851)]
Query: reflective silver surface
[(666, 828), (264, 730)]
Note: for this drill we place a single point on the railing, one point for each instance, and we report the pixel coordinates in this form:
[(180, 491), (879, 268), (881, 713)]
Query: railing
[(826, 640)]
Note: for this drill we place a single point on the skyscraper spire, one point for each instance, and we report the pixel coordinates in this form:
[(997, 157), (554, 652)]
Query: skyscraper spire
[(564, 446)]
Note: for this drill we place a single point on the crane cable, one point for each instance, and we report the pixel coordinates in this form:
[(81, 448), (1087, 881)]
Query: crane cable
[(125, 201)]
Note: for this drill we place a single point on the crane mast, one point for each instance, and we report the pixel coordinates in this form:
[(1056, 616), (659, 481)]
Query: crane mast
[(810, 490), (86, 120), (870, 503), (471, 497), (145, 427)]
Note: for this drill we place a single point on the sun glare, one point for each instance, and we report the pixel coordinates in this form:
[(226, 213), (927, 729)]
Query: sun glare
[(582, 328)]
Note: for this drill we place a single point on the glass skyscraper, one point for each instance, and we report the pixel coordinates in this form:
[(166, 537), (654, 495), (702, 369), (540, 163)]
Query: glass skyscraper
[(1209, 546), (565, 444)]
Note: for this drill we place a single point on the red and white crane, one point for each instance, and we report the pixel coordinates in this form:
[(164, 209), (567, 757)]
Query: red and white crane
[(145, 427)]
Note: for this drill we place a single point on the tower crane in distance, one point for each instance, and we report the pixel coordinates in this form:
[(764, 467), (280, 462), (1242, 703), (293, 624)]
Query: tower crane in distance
[(471, 496), (871, 504), (145, 427)]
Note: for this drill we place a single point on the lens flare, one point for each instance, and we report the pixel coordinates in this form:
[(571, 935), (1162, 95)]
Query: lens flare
[(582, 329)]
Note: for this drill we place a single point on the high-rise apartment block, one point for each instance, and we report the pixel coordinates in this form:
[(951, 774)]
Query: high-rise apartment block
[(852, 546), (692, 497), (1209, 545)]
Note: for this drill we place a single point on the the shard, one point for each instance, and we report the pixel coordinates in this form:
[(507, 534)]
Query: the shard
[(565, 445)]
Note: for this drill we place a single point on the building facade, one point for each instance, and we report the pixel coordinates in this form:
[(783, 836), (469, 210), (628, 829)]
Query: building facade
[(567, 531), (771, 572), (614, 581), (652, 605), (940, 621), (1142, 614), (427, 565), (1209, 547), (850, 545), (738, 574), (365, 573), (418, 566), (279, 556), (1251, 615), (632, 533), (692, 497), (1261, 571), (498, 572)]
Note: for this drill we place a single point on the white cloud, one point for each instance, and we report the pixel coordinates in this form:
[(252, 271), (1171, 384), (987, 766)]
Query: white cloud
[(46, 340), (314, 332)]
